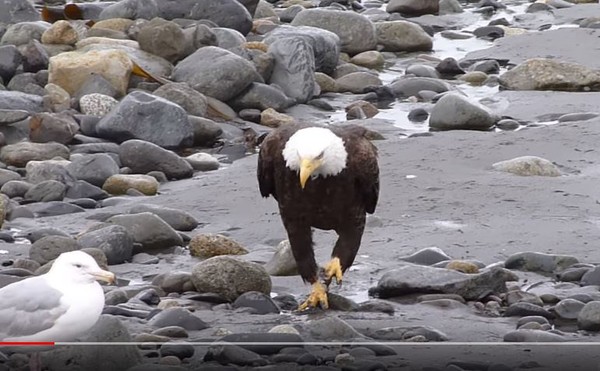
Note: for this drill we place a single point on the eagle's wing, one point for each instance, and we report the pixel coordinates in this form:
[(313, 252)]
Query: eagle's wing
[(270, 157), (362, 161)]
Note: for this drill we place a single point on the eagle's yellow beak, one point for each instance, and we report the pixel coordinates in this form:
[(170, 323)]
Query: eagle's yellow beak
[(105, 276), (307, 167)]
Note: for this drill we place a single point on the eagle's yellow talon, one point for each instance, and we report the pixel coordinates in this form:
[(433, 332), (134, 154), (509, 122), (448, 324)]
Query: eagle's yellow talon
[(317, 297), (333, 269)]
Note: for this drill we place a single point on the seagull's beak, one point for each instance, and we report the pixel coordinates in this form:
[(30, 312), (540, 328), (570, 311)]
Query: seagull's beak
[(105, 276), (307, 167)]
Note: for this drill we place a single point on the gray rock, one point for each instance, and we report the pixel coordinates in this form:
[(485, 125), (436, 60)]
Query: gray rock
[(131, 9), (288, 14), (163, 38), (589, 317), (574, 275), (568, 308), (294, 68), (332, 328), (413, 7), (16, 100), (427, 256), (528, 166), (262, 96), (8, 176), (522, 309), (422, 70), (230, 277), (15, 188), (115, 297), (264, 343), (259, 302), (174, 282), (39, 233), (10, 59), (178, 317), (548, 74), (282, 263), (225, 354), (325, 44), (142, 157), (526, 336), (40, 171), (591, 277), (49, 190), (19, 154), (192, 101), (539, 262), (49, 248), (228, 39), (416, 278), (225, 13), (403, 333), (411, 86), (93, 168), (357, 82), (108, 357), (114, 240), (356, 32), (181, 351), (147, 117), (528, 319), (518, 296), (15, 11), (578, 116), (206, 132), (83, 189), (203, 161), (216, 72), (454, 111), (148, 230), (21, 33), (178, 219), (402, 36), (95, 84), (450, 7)]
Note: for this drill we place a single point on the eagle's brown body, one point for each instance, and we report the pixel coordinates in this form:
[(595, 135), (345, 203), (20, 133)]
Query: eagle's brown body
[(338, 202)]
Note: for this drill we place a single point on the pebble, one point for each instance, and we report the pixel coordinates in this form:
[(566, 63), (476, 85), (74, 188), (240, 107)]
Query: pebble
[(261, 303), (179, 350), (522, 309), (178, 317)]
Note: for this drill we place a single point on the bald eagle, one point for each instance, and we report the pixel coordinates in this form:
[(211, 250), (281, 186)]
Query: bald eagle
[(324, 178)]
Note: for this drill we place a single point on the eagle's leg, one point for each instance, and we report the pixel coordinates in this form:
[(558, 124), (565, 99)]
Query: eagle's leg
[(318, 296), (343, 253), (333, 269), (302, 248)]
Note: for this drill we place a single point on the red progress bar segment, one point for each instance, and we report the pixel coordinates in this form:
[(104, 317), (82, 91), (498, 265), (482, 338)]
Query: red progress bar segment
[(26, 343)]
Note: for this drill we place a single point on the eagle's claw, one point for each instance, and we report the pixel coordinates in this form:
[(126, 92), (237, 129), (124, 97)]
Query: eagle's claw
[(317, 297), (333, 269)]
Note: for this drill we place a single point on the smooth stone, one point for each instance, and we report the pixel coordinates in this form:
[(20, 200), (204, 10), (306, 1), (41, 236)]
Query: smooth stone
[(519, 336), (178, 317), (568, 308), (522, 309), (528, 166), (264, 343), (261, 303)]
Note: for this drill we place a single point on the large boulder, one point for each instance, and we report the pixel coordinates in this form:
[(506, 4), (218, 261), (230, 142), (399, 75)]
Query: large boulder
[(230, 277), (454, 111), (147, 117), (225, 13), (325, 44), (143, 157), (549, 74), (216, 72), (70, 70), (294, 69), (356, 32), (402, 36)]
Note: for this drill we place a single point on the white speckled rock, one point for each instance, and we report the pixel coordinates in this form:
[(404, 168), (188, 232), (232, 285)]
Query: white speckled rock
[(97, 104), (203, 161), (528, 166)]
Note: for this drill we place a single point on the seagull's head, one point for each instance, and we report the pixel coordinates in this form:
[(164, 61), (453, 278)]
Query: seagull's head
[(80, 267), (313, 152)]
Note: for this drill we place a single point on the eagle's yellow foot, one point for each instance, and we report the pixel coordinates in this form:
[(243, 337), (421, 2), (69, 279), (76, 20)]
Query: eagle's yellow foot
[(333, 269), (316, 297)]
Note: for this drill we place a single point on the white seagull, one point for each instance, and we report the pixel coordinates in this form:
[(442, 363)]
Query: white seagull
[(60, 305)]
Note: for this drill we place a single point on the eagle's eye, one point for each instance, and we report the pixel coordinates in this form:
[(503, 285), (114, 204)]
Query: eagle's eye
[(320, 156)]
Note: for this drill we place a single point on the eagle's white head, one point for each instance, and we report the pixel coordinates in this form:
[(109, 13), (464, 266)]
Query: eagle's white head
[(314, 152)]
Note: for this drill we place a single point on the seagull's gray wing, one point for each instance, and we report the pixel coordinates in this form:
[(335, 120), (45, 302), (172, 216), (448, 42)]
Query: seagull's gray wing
[(28, 307)]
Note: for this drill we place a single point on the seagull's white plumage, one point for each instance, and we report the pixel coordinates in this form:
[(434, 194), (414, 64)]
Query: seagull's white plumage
[(60, 305)]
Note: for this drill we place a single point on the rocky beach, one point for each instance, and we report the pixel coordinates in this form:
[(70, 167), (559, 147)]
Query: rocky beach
[(130, 129)]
